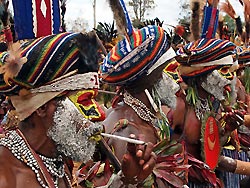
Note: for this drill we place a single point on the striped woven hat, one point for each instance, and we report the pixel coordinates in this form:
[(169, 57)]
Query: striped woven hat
[(205, 55), (49, 58), (244, 57), (131, 58), (47, 67)]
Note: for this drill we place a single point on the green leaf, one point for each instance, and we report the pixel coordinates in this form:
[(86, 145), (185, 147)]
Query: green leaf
[(89, 184)]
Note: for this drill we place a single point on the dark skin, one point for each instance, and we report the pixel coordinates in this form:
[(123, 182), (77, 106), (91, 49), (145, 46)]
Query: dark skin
[(186, 126), (123, 111), (15, 174), (242, 95)]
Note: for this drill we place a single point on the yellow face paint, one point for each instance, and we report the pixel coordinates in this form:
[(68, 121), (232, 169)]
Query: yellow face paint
[(225, 72), (172, 71), (86, 104)]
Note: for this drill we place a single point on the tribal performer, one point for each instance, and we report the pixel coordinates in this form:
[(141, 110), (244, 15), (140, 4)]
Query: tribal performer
[(202, 128), (238, 144), (135, 65), (39, 79)]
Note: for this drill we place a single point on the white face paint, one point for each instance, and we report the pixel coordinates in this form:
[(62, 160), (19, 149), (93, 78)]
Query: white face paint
[(166, 89), (214, 84), (71, 132)]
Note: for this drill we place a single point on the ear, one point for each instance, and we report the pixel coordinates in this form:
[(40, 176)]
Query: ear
[(42, 111)]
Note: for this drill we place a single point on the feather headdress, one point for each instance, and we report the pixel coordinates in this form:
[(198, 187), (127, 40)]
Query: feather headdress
[(121, 17), (13, 63), (195, 19)]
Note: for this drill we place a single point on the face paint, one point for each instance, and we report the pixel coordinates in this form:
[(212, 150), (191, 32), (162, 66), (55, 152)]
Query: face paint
[(166, 89), (214, 84), (72, 132), (86, 104), (230, 90), (172, 71), (225, 72)]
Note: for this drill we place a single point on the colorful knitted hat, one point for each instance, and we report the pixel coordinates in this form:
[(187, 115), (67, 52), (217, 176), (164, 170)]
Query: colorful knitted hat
[(54, 64), (244, 57), (49, 58), (136, 56), (204, 55)]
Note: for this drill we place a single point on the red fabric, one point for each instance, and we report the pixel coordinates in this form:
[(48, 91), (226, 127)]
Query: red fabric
[(44, 24)]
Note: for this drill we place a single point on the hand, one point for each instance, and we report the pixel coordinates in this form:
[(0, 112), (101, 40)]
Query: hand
[(138, 162), (233, 120), (228, 8)]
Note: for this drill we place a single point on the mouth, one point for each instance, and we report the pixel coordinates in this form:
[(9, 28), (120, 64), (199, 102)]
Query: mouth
[(227, 91), (92, 131)]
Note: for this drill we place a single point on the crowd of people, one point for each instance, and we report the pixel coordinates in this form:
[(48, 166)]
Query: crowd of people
[(179, 115)]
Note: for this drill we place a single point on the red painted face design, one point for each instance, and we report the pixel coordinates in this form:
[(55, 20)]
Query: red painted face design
[(86, 104), (172, 71), (225, 72)]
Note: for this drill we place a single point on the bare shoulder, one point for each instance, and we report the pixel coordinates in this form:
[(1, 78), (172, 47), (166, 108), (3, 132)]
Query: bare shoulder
[(7, 168)]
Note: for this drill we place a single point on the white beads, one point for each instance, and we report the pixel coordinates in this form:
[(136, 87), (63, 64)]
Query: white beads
[(139, 107), (55, 166)]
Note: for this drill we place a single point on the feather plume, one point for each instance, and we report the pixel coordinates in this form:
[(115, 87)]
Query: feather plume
[(63, 8), (121, 17), (195, 19), (228, 8), (13, 63)]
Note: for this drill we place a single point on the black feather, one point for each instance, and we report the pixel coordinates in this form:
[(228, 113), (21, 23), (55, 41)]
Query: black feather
[(88, 47)]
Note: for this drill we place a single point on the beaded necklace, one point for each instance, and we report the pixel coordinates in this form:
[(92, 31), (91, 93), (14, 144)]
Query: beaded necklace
[(201, 107), (139, 107), (18, 147)]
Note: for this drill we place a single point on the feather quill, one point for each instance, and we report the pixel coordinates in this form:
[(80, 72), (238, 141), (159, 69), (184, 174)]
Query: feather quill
[(195, 19), (121, 17)]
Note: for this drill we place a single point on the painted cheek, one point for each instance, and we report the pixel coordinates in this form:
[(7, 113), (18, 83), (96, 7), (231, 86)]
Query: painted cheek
[(87, 105)]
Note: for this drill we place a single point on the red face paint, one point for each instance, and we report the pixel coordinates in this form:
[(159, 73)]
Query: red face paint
[(85, 102)]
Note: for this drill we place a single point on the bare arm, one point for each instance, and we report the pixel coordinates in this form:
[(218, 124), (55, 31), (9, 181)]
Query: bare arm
[(7, 178)]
